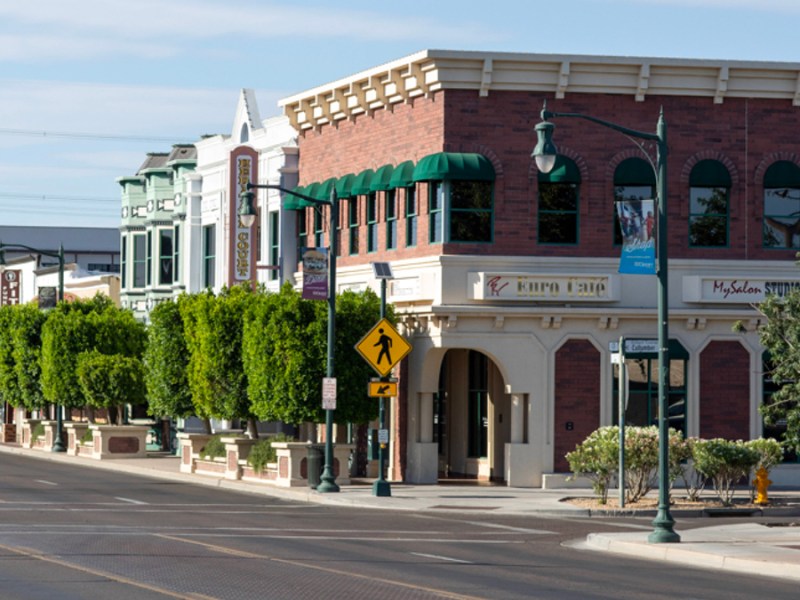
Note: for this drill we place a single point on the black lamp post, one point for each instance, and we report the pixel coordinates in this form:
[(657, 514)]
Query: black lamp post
[(247, 214), (545, 155), (58, 442)]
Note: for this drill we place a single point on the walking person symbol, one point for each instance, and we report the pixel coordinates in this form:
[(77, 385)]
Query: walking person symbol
[(385, 342)]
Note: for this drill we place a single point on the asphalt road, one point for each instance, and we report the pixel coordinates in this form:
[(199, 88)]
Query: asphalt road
[(74, 532)]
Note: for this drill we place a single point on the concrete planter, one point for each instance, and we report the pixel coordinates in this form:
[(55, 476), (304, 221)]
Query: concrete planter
[(190, 445), (74, 432), (28, 425), (119, 441), (293, 463), (236, 451)]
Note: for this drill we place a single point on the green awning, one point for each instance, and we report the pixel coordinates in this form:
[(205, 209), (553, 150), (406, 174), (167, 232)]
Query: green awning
[(564, 171), (323, 192), (362, 182), (782, 174), (454, 166), (344, 185), (634, 171), (403, 175), (380, 181), (293, 202), (710, 173)]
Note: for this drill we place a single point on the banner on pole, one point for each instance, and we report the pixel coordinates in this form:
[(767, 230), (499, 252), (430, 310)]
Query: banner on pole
[(637, 221), (315, 273)]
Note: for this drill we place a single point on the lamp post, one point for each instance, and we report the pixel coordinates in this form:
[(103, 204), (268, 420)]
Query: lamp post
[(545, 155), (58, 442), (247, 213)]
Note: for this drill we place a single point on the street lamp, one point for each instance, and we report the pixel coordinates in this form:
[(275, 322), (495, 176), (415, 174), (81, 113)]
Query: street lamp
[(58, 442), (545, 155), (247, 214)]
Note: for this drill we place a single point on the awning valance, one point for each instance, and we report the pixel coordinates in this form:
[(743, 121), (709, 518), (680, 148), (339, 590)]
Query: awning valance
[(361, 184), (381, 179), (403, 175), (454, 166)]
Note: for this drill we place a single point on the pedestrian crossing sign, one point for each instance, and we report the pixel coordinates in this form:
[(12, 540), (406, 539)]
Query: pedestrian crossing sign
[(383, 347)]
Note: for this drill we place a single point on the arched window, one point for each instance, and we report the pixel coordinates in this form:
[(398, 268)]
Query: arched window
[(558, 203), (244, 134), (634, 180), (782, 205), (709, 189)]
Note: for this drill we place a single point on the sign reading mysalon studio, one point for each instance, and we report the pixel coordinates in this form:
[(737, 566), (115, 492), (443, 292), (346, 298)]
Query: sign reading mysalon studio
[(546, 288)]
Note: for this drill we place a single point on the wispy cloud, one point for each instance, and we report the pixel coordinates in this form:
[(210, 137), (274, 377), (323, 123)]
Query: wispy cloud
[(761, 6)]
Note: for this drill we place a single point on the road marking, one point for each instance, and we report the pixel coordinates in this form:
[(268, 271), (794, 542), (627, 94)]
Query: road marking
[(438, 557), (510, 528), (45, 482), (131, 500)]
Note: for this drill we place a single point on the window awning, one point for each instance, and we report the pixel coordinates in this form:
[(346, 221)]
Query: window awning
[(782, 174), (454, 166), (323, 192), (344, 185), (634, 171), (710, 173), (564, 171), (403, 175), (381, 180), (362, 182), (293, 202)]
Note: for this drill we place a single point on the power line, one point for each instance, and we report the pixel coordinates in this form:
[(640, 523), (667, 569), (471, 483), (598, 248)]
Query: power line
[(111, 137), (47, 197)]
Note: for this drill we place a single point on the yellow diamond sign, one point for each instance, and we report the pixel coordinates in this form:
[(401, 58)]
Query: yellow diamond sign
[(383, 347)]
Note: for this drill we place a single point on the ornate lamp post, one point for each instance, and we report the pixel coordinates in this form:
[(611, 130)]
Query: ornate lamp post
[(545, 155), (247, 214), (58, 442)]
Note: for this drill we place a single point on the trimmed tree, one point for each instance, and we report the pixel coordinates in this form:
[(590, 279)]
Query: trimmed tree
[(111, 380), (26, 337)]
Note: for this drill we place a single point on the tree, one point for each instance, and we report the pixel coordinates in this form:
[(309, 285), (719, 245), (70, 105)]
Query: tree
[(9, 390), (111, 380), (213, 328), (26, 337), (166, 363)]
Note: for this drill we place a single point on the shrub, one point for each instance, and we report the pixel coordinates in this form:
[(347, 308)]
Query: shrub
[(262, 451), (87, 437), (38, 431), (693, 480), (725, 462), (597, 458), (214, 448), (770, 452), (641, 461)]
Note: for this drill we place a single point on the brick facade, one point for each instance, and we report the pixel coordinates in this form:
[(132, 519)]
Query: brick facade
[(725, 391)]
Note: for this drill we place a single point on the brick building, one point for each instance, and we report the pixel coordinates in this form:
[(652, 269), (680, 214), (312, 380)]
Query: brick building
[(506, 279)]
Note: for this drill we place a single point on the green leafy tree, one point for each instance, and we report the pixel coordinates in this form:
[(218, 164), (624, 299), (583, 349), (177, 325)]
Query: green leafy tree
[(26, 336), (166, 363), (9, 390), (213, 327), (111, 380)]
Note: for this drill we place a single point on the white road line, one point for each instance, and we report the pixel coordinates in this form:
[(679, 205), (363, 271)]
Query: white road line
[(45, 482), (130, 500), (511, 529), (437, 557)]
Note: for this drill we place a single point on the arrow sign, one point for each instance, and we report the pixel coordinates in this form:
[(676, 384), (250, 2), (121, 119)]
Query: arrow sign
[(382, 389)]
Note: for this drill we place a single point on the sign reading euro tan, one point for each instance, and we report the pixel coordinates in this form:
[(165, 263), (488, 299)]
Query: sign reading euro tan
[(244, 170), (735, 290), (543, 288)]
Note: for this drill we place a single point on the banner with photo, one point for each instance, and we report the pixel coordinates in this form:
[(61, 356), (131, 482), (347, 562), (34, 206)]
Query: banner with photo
[(637, 221), (315, 273)]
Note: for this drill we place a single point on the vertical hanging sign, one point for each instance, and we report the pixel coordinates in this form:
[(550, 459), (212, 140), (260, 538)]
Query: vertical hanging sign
[(9, 287), (637, 221), (243, 240), (315, 273)]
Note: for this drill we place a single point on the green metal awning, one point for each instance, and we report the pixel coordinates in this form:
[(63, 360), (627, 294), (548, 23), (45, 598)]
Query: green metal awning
[(323, 192), (454, 166), (403, 175), (380, 181), (634, 171), (293, 202), (362, 182), (710, 173), (782, 174), (344, 185), (564, 171)]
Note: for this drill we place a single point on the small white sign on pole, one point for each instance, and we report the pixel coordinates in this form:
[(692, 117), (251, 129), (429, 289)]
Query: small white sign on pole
[(329, 393)]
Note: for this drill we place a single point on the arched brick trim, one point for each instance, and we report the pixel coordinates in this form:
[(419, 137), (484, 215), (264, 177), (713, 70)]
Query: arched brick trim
[(533, 171), (577, 397), (615, 161), (725, 391), (769, 160), (686, 171)]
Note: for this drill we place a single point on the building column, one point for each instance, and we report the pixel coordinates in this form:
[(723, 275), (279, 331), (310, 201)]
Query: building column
[(426, 417), (517, 418)]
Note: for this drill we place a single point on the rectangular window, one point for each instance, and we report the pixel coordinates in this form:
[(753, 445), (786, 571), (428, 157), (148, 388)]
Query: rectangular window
[(124, 261), (708, 216), (781, 214), (628, 193), (274, 244), (139, 260), (318, 231), (470, 211), (165, 256), (372, 222), (149, 271), (302, 228), (352, 223), (478, 402), (558, 213), (176, 255), (391, 219), (435, 210), (411, 217), (209, 255), (339, 227)]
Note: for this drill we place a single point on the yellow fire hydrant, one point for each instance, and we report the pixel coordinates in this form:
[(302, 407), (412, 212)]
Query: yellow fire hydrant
[(761, 484)]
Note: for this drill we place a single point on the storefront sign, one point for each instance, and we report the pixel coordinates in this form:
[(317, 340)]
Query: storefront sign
[(740, 290), (543, 288), (9, 287), (244, 170)]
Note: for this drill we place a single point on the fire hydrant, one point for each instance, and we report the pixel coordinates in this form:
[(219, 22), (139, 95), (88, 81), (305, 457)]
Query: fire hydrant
[(761, 485)]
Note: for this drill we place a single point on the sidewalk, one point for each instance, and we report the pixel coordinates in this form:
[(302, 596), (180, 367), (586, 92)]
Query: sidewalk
[(746, 547)]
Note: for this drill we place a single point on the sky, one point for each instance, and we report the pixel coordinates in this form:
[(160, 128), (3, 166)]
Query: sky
[(88, 87)]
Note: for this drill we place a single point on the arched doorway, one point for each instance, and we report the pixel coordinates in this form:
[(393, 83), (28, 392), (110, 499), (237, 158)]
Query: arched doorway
[(471, 417)]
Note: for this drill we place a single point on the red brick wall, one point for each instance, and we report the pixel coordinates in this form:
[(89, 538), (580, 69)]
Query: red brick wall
[(577, 397), (725, 391), (746, 135)]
